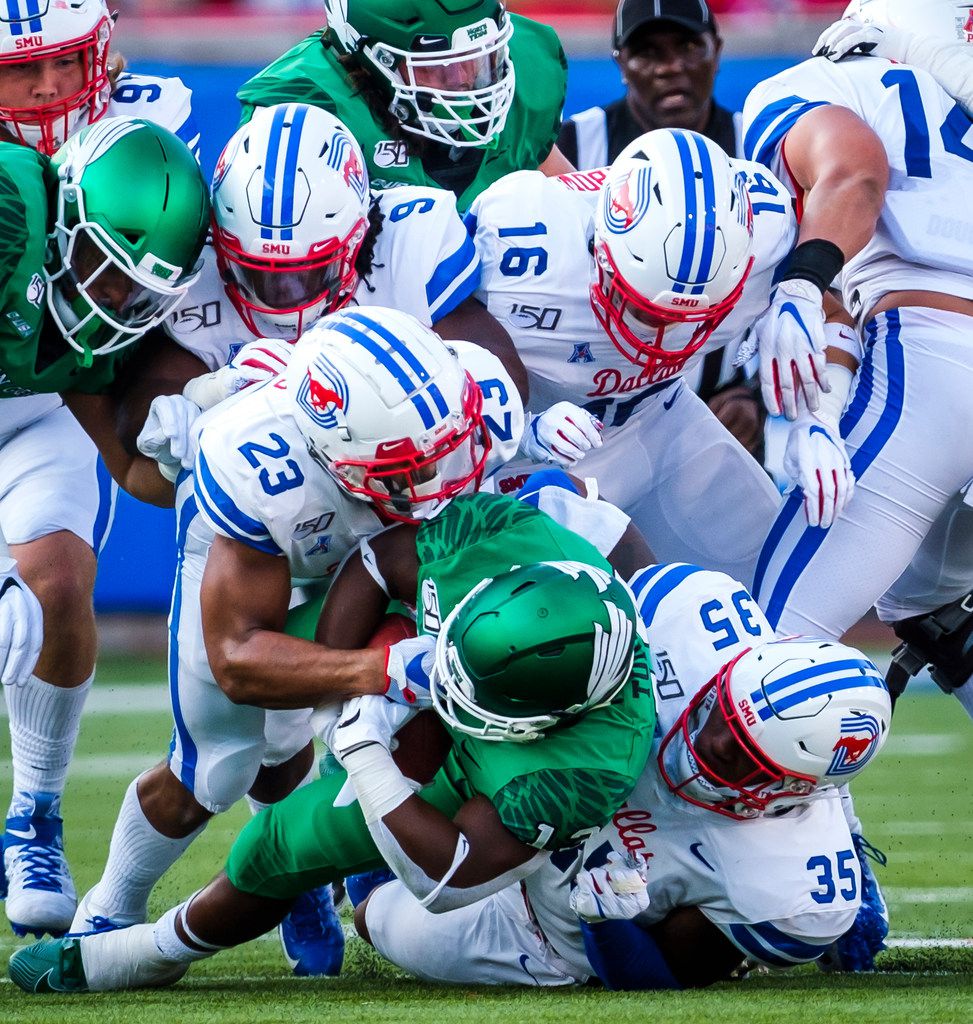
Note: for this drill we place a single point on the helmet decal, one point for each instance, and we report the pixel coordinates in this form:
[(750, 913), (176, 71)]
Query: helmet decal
[(323, 392), (343, 157), (627, 199), (859, 741)]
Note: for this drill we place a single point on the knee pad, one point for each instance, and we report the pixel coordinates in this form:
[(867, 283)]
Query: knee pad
[(942, 639)]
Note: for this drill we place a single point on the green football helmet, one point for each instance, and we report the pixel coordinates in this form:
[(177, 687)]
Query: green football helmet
[(533, 648), (131, 219), (444, 62)]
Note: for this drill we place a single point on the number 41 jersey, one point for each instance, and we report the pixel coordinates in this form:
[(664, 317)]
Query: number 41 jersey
[(922, 240), (534, 234)]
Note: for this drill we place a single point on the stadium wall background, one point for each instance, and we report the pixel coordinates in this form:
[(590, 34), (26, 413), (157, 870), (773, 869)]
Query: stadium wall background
[(137, 566)]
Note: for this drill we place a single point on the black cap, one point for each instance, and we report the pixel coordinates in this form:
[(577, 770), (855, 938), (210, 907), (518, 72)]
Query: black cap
[(634, 14)]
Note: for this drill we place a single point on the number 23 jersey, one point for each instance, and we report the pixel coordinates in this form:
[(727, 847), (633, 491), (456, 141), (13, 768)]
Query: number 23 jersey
[(256, 483), (534, 236)]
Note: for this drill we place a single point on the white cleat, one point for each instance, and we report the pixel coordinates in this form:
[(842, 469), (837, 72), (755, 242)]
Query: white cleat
[(91, 917)]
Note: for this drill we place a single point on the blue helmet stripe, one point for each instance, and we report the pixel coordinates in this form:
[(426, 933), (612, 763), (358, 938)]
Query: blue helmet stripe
[(821, 690), (692, 213), (848, 665), (34, 13), (437, 396), (270, 174), (394, 343), (13, 14), (705, 271), (408, 386), (290, 169)]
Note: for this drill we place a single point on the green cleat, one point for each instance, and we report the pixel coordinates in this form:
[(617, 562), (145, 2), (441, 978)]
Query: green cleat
[(50, 966)]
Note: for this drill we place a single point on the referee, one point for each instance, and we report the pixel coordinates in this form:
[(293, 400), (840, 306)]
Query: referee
[(668, 52)]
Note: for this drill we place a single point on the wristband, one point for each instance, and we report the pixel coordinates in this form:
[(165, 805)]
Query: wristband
[(379, 784), (818, 261)]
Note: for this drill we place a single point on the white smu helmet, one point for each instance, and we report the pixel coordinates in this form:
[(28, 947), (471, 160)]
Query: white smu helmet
[(386, 407), (673, 248), (51, 30), (940, 19), (290, 213), (803, 713)]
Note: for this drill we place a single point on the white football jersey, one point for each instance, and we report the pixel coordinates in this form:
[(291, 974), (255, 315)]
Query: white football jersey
[(163, 101), (256, 483), (534, 235), (923, 236), (424, 264), (780, 888)]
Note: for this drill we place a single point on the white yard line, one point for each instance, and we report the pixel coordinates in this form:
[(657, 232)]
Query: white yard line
[(947, 896)]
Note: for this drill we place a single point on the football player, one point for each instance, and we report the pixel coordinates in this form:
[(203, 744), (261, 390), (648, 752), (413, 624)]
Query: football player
[(613, 287), (909, 283), (433, 97), (733, 843), (75, 303), (57, 75), (376, 420), (935, 35), (545, 652)]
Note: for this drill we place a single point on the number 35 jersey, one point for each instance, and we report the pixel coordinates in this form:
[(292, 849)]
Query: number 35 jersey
[(256, 483), (424, 263), (923, 236), (534, 236), (781, 889)]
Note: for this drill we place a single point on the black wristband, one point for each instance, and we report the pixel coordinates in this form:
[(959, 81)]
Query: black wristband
[(818, 261)]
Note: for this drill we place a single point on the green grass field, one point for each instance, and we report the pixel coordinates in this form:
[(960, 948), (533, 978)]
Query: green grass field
[(915, 801)]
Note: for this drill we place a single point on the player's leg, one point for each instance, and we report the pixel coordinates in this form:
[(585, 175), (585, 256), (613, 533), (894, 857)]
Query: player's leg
[(492, 942), (56, 504), (912, 392), (692, 489), (930, 606)]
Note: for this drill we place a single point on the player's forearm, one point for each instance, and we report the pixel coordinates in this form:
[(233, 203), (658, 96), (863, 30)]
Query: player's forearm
[(272, 670), (843, 208)]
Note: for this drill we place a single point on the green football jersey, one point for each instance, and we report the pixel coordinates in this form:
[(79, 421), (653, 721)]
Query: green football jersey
[(553, 792), (311, 73), (34, 357)]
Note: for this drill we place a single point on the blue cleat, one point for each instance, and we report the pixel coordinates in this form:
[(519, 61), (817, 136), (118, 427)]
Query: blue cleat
[(50, 966), (358, 887), (311, 935), (35, 879), (856, 950)]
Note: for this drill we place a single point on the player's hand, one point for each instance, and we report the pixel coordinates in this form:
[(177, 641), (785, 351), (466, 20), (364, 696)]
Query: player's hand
[(561, 435), (815, 458), (21, 626), (168, 435), (408, 666), (371, 718), (256, 362), (791, 344), (615, 892), (850, 37)]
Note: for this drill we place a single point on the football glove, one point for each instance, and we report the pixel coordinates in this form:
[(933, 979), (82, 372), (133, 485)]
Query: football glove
[(255, 363), (850, 37), (815, 458), (21, 626), (561, 435), (408, 665), (615, 892), (791, 343), (168, 435)]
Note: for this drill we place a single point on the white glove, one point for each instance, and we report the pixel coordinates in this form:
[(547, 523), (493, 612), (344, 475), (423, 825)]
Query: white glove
[(615, 892), (21, 626), (372, 718), (255, 362), (561, 435), (850, 37), (791, 342), (408, 665), (815, 458), (168, 435)]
